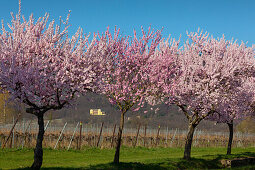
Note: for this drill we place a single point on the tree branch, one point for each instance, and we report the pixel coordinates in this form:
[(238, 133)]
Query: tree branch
[(184, 111)]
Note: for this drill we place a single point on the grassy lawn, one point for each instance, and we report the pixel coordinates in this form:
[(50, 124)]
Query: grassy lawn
[(131, 158)]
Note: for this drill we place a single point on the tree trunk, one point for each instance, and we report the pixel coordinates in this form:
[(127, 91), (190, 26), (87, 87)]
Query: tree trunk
[(188, 142), (230, 139), (117, 151), (38, 151)]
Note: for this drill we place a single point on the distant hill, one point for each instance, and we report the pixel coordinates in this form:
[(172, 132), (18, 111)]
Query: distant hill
[(166, 116)]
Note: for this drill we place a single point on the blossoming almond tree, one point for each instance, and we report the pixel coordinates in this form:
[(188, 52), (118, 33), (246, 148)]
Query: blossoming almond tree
[(236, 107), (237, 97), (126, 81), (41, 66), (207, 68), (163, 70)]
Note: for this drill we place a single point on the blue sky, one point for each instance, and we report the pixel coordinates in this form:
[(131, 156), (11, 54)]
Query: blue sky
[(234, 18)]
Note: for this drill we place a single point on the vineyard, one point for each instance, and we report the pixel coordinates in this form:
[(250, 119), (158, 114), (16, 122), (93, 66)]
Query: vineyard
[(76, 136)]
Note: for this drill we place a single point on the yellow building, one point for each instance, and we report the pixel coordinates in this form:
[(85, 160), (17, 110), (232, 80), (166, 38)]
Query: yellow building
[(96, 112)]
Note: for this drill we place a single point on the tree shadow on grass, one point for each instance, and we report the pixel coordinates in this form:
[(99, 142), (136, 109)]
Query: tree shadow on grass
[(161, 165), (205, 162), (225, 156), (111, 166), (127, 166), (175, 163), (211, 163), (195, 163)]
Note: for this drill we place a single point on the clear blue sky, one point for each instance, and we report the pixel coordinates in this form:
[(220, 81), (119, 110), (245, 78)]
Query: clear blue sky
[(234, 18)]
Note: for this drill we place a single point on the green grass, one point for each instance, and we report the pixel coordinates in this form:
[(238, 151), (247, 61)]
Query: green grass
[(130, 158)]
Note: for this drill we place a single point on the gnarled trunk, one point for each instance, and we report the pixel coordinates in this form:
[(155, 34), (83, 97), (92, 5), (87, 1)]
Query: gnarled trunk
[(188, 142), (230, 139), (117, 151), (38, 151)]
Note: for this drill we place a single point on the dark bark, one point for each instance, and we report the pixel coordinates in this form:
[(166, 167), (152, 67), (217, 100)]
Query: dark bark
[(117, 151), (38, 151), (188, 142), (230, 139)]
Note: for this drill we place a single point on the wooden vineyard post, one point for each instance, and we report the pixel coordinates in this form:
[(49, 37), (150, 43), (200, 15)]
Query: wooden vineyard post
[(11, 130), (24, 139), (171, 144), (166, 134), (113, 135), (100, 134), (144, 138), (13, 134), (72, 136), (157, 138), (29, 137), (80, 135), (46, 125), (23, 134), (136, 139), (60, 135)]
